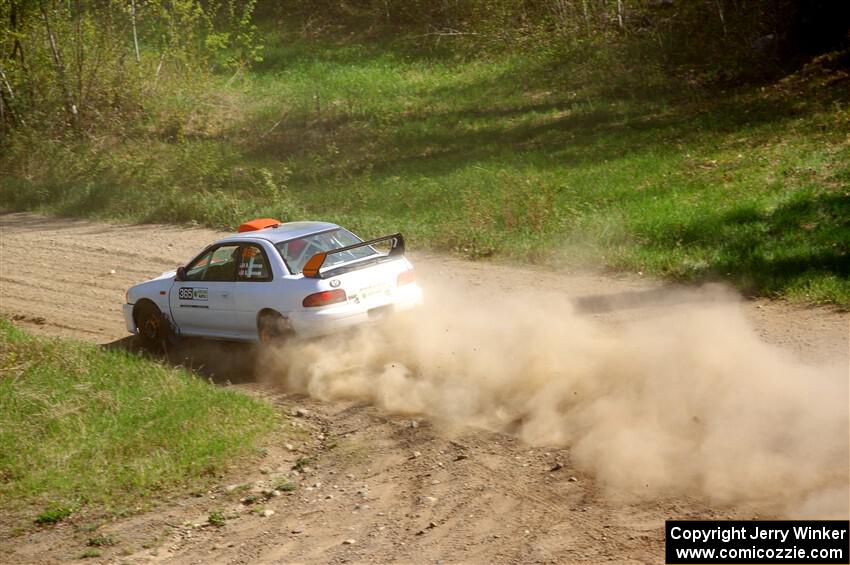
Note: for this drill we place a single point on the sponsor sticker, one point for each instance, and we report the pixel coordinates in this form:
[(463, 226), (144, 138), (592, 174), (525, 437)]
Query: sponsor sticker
[(368, 292), (190, 293)]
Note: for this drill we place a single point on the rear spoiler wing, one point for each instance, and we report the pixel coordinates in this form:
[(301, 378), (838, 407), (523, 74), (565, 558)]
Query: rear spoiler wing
[(313, 266)]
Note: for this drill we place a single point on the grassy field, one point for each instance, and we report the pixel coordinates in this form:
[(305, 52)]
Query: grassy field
[(527, 157), (83, 427)]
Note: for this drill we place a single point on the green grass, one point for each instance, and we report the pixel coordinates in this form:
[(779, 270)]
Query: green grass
[(216, 519), (531, 157), (286, 486), (82, 426), (53, 515), (101, 541), (301, 463)]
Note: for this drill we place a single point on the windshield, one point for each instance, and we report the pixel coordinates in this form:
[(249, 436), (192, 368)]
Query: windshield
[(296, 252)]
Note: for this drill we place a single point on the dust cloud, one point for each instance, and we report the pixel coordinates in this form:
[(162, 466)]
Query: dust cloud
[(684, 399)]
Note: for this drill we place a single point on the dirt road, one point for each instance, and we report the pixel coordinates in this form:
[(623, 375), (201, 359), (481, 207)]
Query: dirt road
[(399, 487)]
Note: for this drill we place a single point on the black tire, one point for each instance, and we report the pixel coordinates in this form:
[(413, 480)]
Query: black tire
[(152, 327), (272, 328)]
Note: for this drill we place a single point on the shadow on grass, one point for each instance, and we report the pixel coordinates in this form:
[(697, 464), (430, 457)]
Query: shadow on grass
[(222, 362), (561, 132), (582, 118), (766, 252), (280, 54)]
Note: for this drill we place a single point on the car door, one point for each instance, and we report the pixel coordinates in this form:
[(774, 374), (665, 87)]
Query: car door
[(202, 304), (254, 289)]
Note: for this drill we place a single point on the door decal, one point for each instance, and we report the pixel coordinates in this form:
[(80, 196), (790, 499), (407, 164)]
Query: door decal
[(189, 293)]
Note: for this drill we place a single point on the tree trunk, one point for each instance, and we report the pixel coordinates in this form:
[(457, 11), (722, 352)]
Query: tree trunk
[(7, 97), (68, 101), (135, 36), (17, 48), (722, 16), (80, 52), (586, 16)]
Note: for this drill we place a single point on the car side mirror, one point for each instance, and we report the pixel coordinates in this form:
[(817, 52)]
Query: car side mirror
[(181, 274)]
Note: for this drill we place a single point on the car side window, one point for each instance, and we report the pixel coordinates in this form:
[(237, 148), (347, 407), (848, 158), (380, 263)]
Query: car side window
[(217, 265), (253, 264), (196, 271)]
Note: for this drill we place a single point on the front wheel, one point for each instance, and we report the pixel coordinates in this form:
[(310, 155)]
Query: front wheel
[(151, 326), (272, 328)]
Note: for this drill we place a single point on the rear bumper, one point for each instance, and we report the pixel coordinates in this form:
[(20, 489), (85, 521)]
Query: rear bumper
[(128, 318), (332, 319)]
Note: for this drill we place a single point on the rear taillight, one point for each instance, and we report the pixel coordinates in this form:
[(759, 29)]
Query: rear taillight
[(324, 298), (407, 277)]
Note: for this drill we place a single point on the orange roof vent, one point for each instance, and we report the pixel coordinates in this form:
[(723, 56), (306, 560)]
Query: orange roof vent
[(258, 224)]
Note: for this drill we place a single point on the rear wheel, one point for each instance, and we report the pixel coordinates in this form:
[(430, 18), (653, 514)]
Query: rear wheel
[(151, 325), (272, 328)]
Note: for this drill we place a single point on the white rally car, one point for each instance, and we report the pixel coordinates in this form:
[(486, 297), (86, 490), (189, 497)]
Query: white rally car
[(273, 279)]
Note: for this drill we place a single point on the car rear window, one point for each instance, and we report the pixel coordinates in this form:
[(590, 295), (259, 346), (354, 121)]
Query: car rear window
[(296, 252)]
